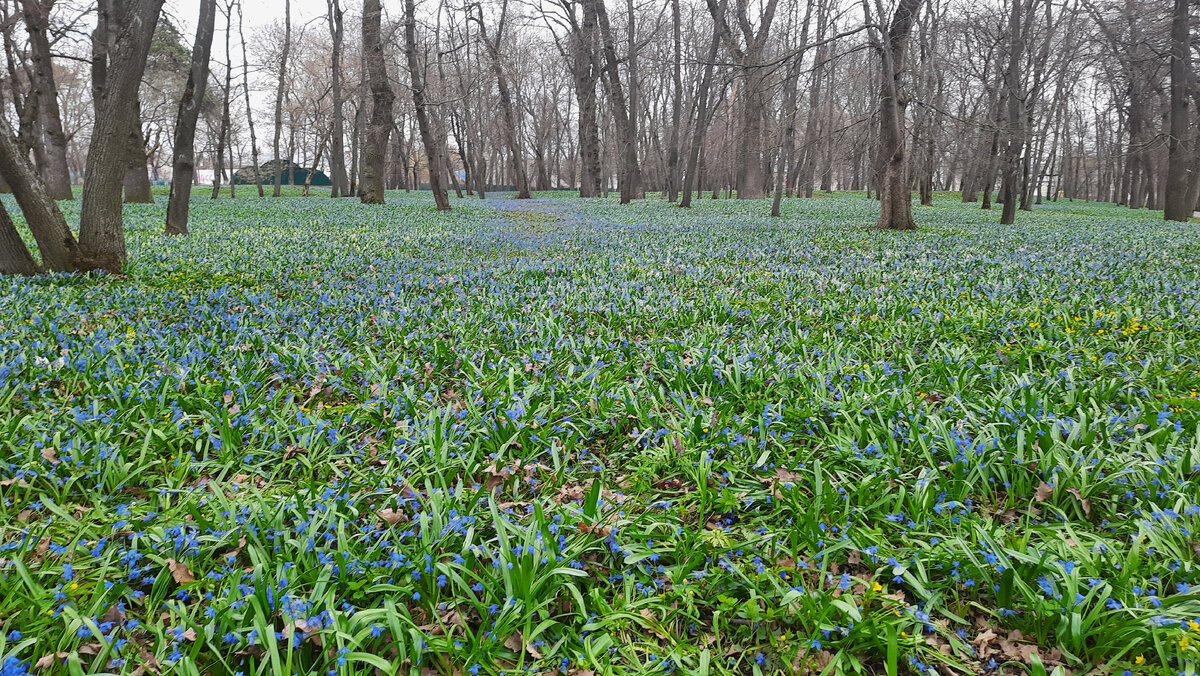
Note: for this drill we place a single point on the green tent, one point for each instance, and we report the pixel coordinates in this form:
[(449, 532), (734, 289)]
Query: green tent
[(290, 173)]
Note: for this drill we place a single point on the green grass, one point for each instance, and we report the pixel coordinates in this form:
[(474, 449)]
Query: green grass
[(319, 437)]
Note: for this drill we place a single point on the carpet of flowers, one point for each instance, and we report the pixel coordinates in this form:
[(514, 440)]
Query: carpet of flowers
[(569, 437)]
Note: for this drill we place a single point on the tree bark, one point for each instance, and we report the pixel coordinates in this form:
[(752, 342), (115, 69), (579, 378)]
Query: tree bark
[(14, 255), (379, 127), (54, 170), (623, 116), (1176, 206), (183, 168), (101, 229), (1015, 131), (136, 178), (56, 244)]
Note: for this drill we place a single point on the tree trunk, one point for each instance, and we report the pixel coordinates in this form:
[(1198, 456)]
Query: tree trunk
[(183, 168), (101, 229), (280, 90), (337, 152), (382, 99), (1176, 207), (623, 116), (1016, 139), (424, 124), (54, 170), (316, 163), (14, 255), (57, 245), (895, 196), (136, 178), (673, 178)]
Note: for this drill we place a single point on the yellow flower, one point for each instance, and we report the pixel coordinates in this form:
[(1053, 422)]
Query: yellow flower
[(876, 587), (1184, 642), (1194, 625), (1139, 660)]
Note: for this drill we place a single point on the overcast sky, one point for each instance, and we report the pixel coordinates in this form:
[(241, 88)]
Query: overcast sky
[(256, 12)]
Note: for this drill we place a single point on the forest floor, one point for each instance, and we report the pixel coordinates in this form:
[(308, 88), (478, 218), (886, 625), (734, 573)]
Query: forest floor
[(569, 437)]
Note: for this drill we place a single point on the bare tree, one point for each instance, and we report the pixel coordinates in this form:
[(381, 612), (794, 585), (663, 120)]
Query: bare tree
[(691, 178), (424, 124), (1179, 176), (382, 99), (183, 169), (55, 242), (512, 132), (249, 109), (281, 89), (337, 152), (895, 195), (227, 93), (54, 169)]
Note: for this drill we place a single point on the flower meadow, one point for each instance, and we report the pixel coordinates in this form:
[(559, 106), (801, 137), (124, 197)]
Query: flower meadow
[(568, 437)]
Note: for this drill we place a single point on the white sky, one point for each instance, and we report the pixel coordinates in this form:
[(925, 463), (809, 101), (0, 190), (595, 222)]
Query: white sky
[(256, 12)]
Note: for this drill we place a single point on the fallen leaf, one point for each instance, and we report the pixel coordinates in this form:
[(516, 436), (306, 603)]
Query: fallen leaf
[(391, 516), (494, 476), (1085, 503), (180, 572), (232, 554), (114, 614), (293, 451), (516, 642), (47, 661), (1044, 491), (50, 455)]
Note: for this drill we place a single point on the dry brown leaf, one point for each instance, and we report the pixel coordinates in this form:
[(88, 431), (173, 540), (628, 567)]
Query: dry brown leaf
[(180, 572), (50, 455), (391, 516), (516, 642), (1043, 493), (293, 451), (91, 649), (53, 659), (494, 476), (1085, 503), (855, 557), (512, 505), (232, 554), (114, 614)]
